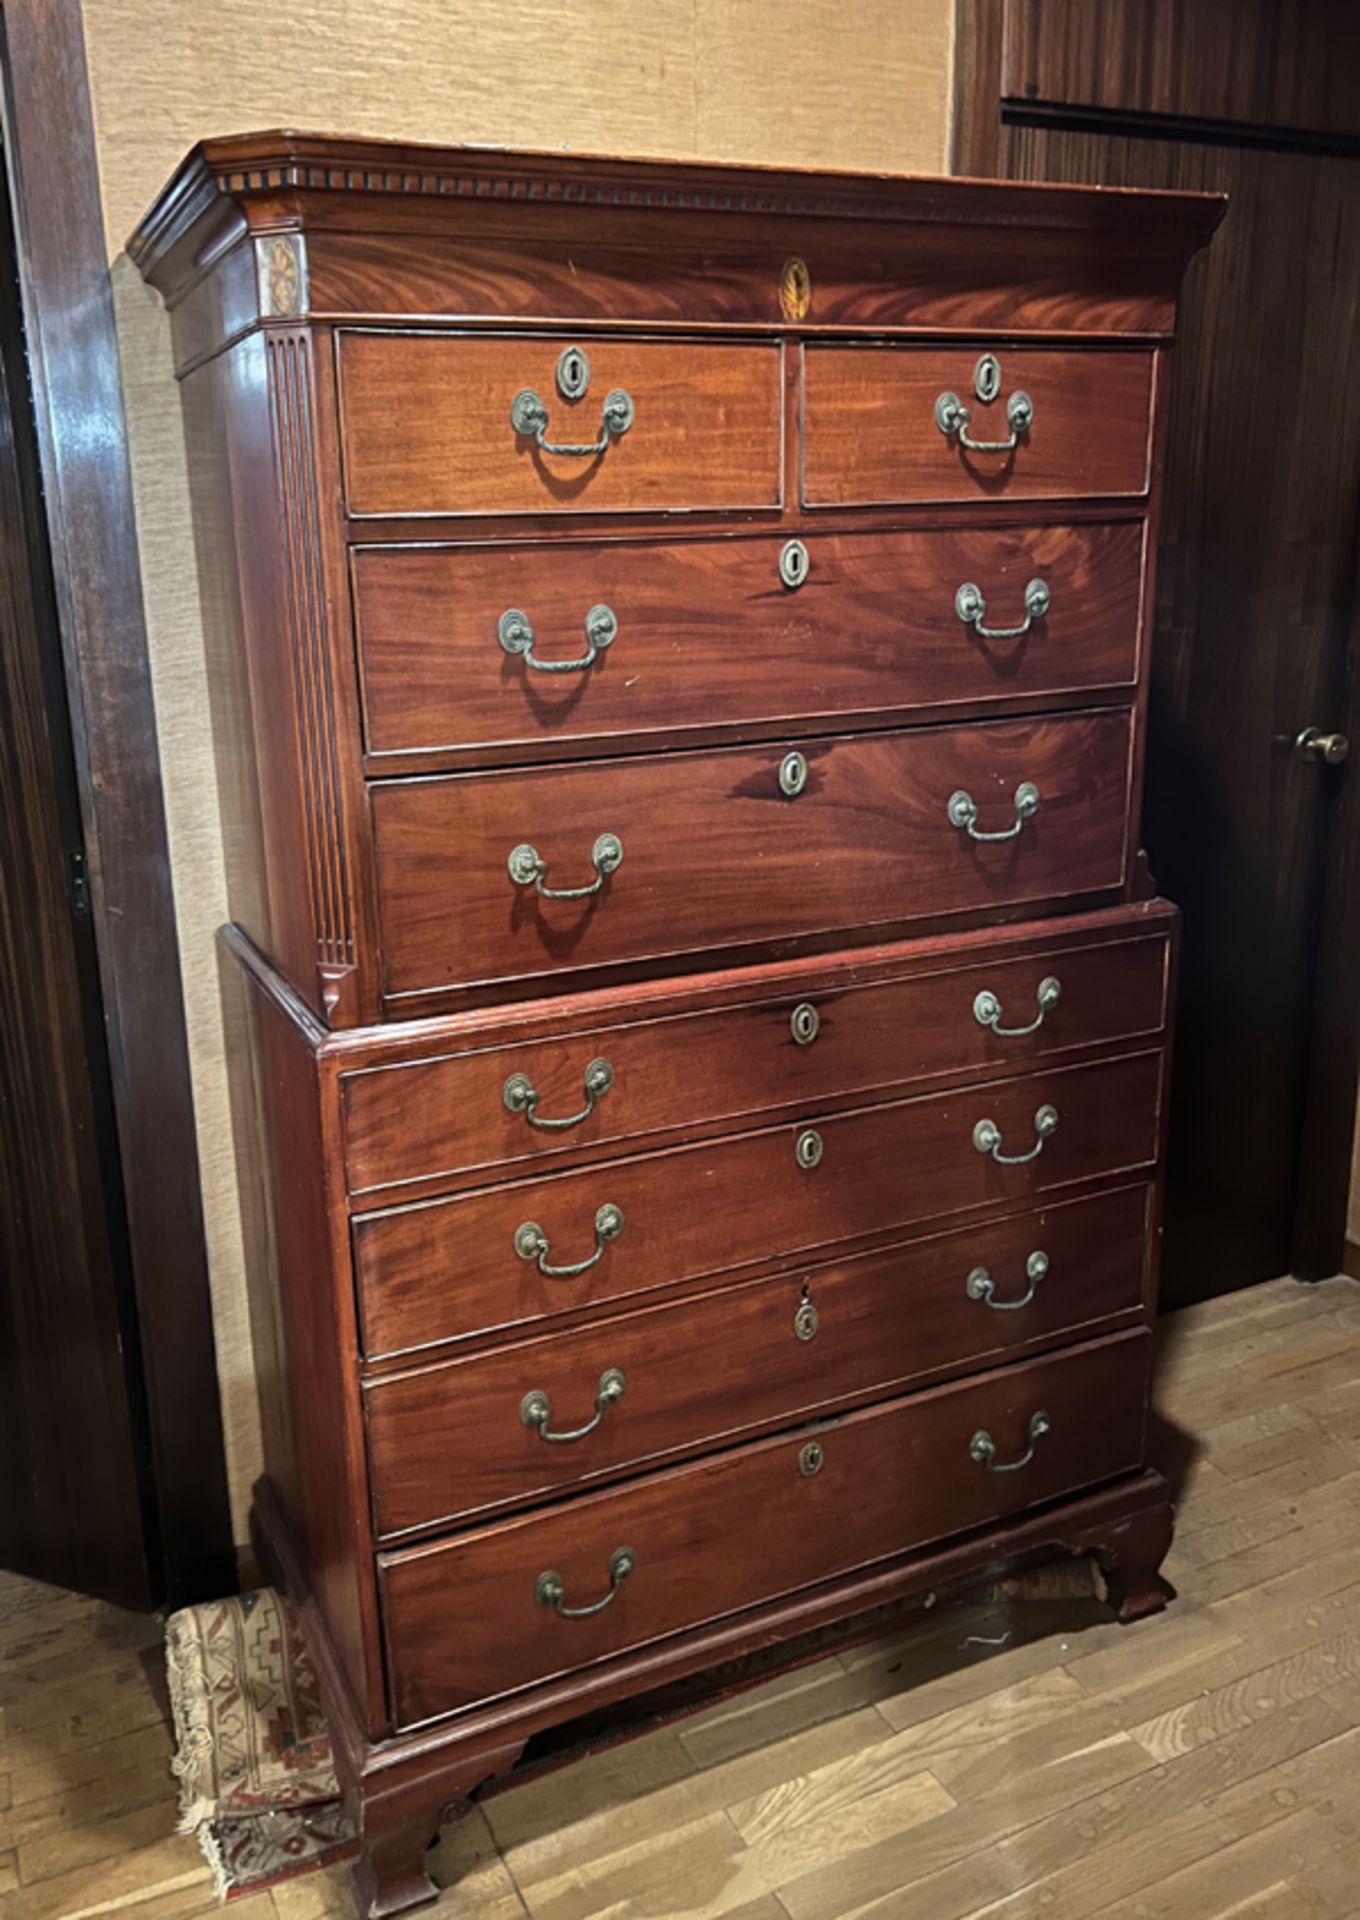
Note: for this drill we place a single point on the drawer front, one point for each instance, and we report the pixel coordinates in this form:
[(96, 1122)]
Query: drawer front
[(453, 1440), (871, 435), (716, 853), (427, 427), (452, 1268), (474, 1112), (474, 1617), (631, 642)]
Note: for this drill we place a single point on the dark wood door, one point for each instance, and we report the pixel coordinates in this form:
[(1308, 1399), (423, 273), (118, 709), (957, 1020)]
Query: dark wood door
[(1259, 514), (71, 1484)]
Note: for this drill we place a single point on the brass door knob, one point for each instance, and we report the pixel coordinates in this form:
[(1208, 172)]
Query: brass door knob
[(1328, 748)]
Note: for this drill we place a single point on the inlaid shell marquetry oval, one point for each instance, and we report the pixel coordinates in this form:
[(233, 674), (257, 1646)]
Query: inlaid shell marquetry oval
[(795, 289)]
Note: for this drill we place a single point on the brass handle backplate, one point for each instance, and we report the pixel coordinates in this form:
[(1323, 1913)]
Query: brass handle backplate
[(980, 1285), (982, 1447), (531, 1243), (550, 1589), (971, 608), (963, 812), (987, 1138), (517, 636), (528, 868), (988, 1011), (521, 1096), (535, 1409), (529, 417)]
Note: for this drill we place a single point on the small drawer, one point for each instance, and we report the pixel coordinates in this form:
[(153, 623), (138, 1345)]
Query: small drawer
[(488, 1612), (516, 876), (878, 426), (462, 1117), (438, 424), (577, 647), (535, 1249), (518, 1424)]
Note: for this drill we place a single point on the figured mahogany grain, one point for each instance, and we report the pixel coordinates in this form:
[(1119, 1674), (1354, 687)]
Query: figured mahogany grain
[(709, 637), (426, 425), (448, 1441), (445, 1270), (399, 298), (912, 277), (870, 437), (727, 1532), (445, 1115), (716, 854)]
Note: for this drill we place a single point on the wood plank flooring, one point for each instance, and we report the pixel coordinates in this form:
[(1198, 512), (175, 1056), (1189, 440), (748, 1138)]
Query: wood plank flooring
[(1018, 1761)]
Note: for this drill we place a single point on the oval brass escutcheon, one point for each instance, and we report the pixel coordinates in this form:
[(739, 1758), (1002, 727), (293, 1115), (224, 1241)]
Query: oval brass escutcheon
[(808, 1147), (987, 377), (806, 1321), (805, 1023), (793, 773), (793, 563), (810, 1459), (573, 373)]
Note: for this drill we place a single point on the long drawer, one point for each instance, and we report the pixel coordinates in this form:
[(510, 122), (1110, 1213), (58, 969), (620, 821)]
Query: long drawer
[(688, 852), (481, 1615), (515, 1425), (461, 1115), (570, 647), (483, 1261), (431, 425), (876, 424)]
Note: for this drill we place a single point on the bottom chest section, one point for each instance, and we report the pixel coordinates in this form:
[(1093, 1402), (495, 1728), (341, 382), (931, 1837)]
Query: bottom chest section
[(564, 1405)]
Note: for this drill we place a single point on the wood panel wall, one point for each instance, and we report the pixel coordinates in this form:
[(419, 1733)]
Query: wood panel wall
[(755, 80), (1248, 61)]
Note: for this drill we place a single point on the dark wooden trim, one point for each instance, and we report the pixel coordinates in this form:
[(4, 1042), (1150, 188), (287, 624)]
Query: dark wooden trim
[(1124, 122), (1322, 1202), (1350, 1258), (975, 120), (52, 162)]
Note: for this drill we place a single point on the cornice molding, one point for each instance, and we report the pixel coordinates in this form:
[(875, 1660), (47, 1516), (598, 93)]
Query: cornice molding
[(263, 167)]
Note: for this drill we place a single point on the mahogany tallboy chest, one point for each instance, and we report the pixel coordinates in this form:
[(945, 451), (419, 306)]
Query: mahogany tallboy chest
[(678, 638)]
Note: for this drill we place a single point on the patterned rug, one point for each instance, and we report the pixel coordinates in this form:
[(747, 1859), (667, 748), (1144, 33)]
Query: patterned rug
[(253, 1758), (253, 1755)]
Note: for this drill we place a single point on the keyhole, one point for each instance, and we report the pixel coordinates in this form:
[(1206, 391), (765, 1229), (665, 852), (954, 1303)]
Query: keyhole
[(805, 1319), (793, 563), (573, 373), (987, 378)]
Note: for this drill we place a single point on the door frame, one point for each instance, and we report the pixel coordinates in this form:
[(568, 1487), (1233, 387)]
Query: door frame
[(1322, 1190), (52, 166)]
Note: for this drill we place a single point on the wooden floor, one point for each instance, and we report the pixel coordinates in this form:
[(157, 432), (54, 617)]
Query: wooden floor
[(1015, 1762)]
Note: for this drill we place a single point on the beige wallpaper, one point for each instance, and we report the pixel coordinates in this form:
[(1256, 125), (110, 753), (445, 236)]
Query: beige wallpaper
[(813, 81)]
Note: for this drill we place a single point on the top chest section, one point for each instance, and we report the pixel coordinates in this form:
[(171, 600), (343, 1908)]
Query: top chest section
[(626, 563)]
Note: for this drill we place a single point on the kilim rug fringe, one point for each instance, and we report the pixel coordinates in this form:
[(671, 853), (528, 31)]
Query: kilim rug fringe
[(253, 1755)]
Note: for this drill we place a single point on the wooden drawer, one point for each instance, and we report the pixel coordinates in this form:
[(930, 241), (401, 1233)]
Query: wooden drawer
[(716, 855), (464, 1621), (870, 435), (426, 425), (446, 1118), (451, 1440), (448, 1269), (706, 638)]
